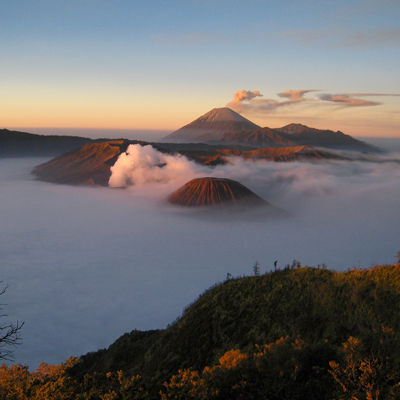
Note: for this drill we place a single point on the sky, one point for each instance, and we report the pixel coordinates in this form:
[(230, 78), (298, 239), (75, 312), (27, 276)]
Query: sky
[(84, 265), (158, 65)]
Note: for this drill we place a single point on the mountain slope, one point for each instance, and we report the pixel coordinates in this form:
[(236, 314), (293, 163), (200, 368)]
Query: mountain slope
[(225, 126), (23, 144), (317, 306), (304, 135), (89, 165), (210, 126), (215, 192), (262, 137)]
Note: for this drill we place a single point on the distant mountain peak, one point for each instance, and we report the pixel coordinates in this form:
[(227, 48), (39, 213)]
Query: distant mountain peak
[(295, 128), (223, 114), (211, 126)]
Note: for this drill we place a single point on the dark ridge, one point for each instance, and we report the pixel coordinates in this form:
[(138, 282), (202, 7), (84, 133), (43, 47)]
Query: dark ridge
[(23, 144)]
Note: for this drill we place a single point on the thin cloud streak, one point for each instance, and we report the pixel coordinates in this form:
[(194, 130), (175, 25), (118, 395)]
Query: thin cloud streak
[(193, 39), (345, 38), (348, 101), (248, 101), (296, 96)]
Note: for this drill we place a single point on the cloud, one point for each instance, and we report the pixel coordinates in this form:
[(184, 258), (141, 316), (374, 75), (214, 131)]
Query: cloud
[(347, 100), (188, 40), (295, 96), (144, 165), (346, 37), (352, 100), (246, 100), (248, 95)]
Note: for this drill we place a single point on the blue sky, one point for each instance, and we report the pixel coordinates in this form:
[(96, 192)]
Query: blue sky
[(159, 65)]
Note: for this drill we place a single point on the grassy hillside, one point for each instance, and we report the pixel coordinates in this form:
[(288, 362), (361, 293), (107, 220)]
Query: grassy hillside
[(319, 307)]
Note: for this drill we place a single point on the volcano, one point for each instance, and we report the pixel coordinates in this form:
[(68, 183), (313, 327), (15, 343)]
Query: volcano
[(225, 127), (89, 165), (210, 127), (215, 192)]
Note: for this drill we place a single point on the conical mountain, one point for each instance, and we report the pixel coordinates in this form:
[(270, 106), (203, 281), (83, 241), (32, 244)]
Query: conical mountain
[(215, 192), (210, 126)]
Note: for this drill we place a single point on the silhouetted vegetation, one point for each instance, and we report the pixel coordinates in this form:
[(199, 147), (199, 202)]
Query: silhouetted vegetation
[(294, 333), (9, 333)]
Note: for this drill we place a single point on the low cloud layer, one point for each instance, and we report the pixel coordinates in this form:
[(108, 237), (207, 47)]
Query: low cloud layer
[(86, 265), (246, 100)]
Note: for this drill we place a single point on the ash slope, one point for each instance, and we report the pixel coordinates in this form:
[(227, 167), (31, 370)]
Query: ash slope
[(89, 165)]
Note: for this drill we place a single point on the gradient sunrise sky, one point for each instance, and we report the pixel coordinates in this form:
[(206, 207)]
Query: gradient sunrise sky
[(161, 64)]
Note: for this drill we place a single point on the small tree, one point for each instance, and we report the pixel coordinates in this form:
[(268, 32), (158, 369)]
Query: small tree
[(9, 334), (256, 268)]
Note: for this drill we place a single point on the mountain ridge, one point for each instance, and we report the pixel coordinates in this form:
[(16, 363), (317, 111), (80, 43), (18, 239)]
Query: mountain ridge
[(24, 144), (225, 126)]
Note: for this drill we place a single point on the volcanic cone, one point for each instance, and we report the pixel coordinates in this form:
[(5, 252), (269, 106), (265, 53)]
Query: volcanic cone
[(215, 192)]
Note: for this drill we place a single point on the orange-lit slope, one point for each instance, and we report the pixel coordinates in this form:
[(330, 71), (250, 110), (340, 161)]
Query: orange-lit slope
[(89, 165)]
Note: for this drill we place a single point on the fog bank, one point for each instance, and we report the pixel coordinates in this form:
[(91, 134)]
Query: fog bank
[(85, 265)]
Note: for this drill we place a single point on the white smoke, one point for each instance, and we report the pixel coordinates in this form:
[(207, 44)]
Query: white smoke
[(142, 165)]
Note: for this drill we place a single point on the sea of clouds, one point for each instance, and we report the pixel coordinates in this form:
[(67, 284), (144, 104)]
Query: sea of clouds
[(86, 265)]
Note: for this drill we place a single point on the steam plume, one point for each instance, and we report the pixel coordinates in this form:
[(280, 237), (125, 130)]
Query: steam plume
[(141, 165), (242, 95), (246, 100)]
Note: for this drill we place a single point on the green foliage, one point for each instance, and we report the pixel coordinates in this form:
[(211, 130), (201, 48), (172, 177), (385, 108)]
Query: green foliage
[(52, 382), (296, 333), (286, 369), (315, 305), (125, 354)]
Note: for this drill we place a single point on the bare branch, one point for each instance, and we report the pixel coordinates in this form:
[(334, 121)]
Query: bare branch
[(9, 334)]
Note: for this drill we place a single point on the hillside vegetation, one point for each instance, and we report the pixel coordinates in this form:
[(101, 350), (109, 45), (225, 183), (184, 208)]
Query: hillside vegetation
[(295, 333)]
